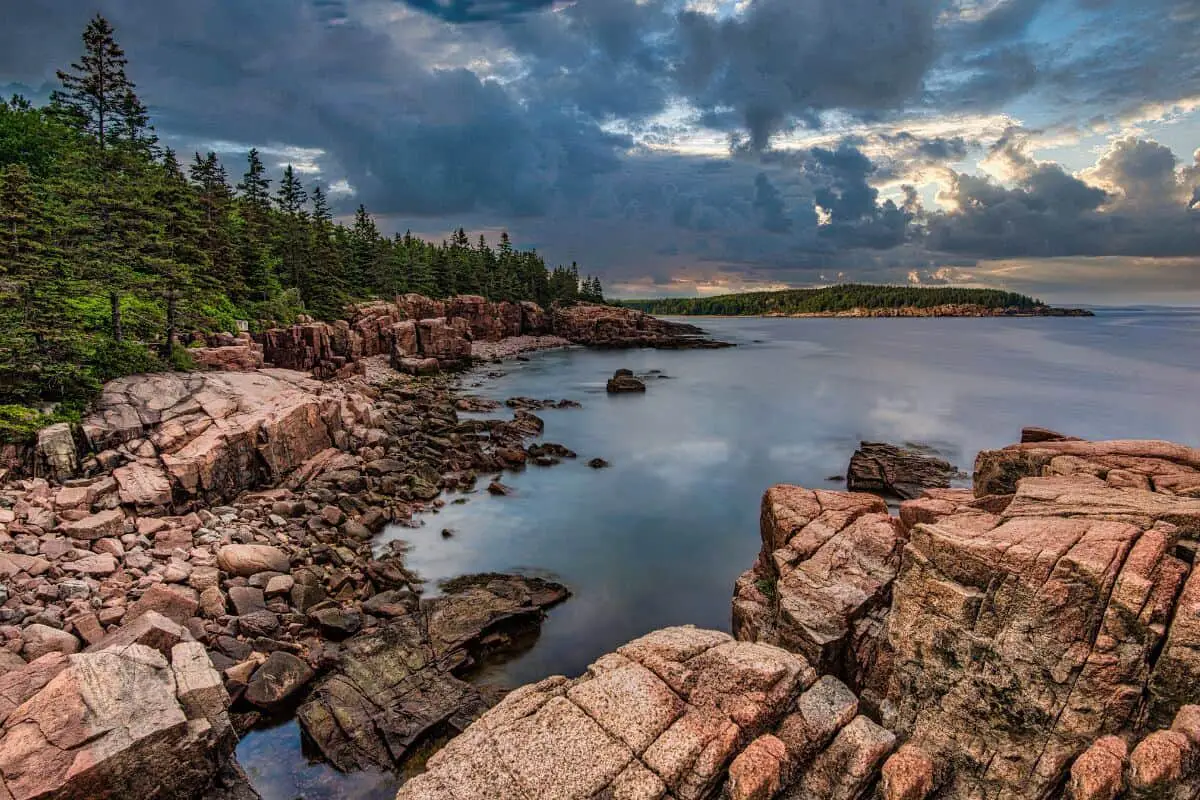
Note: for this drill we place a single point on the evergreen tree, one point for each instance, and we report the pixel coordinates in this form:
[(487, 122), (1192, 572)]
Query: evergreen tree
[(321, 286), (38, 352), (181, 264), (255, 206), (292, 241), (215, 198), (96, 95)]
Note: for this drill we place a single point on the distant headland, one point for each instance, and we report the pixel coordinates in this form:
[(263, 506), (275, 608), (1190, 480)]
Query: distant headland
[(860, 300)]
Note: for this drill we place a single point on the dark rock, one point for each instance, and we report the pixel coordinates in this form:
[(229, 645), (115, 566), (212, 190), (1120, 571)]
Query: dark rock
[(336, 622), (499, 489), (598, 463), (280, 677), (623, 382), (886, 469)]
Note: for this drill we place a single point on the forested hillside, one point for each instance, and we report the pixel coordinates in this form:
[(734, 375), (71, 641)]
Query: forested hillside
[(110, 242), (833, 299)]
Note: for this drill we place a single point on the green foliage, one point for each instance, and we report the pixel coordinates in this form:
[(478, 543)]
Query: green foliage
[(112, 251), (833, 299), (112, 359)]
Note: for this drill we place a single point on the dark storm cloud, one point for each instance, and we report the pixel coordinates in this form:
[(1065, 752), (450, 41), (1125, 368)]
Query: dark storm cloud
[(1049, 213), (788, 59), (478, 10), (524, 113), (410, 138)]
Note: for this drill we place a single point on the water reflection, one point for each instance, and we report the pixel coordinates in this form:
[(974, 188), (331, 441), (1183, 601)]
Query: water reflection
[(659, 538)]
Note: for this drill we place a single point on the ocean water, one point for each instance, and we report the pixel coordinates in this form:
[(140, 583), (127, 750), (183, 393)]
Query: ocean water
[(659, 538)]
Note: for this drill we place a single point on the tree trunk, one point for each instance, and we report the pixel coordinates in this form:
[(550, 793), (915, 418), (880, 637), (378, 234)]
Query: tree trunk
[(115, 300), (169, 345)]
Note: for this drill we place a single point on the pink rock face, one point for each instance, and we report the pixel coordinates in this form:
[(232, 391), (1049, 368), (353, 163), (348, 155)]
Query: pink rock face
[(126, 721), (1098, 774), (230, 358), (758, 771), (610, 326), (659, 716), (216, 433), (446, 340), (143, 485), (827, 564), (908, 775), (97, 526)]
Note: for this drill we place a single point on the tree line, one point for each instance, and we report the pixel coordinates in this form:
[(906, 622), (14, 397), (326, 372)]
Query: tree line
[(833, 299), (110, 242)]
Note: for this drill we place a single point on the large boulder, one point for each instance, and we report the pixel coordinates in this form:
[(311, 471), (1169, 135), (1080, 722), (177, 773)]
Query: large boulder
[(896, 471), (123, 720), (57, 453)]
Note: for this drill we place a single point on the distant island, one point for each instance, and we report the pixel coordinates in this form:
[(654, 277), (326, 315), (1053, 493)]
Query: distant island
[(860, 300)]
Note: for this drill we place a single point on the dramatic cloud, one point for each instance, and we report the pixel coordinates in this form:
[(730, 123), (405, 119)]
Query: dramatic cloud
[(695, 144)]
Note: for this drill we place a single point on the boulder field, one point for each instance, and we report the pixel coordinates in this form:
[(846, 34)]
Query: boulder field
[(1033, 638)]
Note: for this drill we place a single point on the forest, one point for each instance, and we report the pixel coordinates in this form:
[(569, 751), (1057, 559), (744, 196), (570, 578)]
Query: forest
[(833, 299), (112, 246)]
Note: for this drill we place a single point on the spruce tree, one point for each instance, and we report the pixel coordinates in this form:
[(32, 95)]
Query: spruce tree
[(255, 207), (96, 95)]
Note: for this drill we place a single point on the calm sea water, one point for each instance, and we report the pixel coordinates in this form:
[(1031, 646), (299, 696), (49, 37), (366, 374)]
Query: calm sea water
[(659, 538)]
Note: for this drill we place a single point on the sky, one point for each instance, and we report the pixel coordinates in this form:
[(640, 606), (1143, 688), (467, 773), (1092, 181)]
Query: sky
[(695, 147)]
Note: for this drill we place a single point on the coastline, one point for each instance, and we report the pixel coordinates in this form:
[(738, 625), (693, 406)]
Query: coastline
[(236, 511), (937, 312)]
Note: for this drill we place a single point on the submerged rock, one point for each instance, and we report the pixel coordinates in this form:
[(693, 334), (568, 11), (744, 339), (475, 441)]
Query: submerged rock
[(623, 381)]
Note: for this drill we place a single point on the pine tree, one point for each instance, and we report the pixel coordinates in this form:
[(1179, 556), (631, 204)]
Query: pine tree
[(255, 206), (180, 267), (321, 286), (292, 236), (364, 237), (215, 197), (38, 352), (96, 95)]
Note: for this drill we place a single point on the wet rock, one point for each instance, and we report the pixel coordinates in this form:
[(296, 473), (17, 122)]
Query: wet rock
[(395, 687), (336, 622), (598, 463), (277, 680), (889, 470), (499, 489), (623, 381)]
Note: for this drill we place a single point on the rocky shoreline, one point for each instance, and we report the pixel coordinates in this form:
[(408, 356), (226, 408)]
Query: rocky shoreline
[(203, 548), (203, 545), (944, 311), (1033, 637)]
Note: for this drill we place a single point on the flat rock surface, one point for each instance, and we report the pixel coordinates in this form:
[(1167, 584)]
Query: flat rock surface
[(663, 716)]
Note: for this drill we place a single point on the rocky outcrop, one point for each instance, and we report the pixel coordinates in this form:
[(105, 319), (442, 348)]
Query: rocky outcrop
[(279, 576), (142, 714), (681, 713), (1002, 633), (894, 471), (616, 327), (213, 435), (394, 688)]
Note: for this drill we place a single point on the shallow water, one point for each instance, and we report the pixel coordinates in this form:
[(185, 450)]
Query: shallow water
[(659, 538)]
